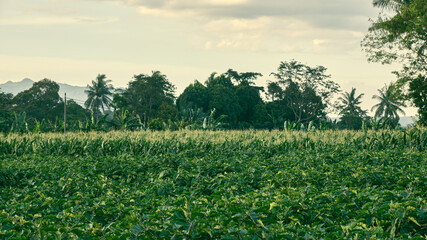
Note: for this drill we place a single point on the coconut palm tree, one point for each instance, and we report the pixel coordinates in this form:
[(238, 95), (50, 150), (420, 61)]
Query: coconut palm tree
[(390, 4), (350, 110), (99, 94), (350, 104), (389, 105)]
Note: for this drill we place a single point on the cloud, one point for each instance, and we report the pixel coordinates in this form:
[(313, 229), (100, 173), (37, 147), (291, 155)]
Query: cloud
[(318, 42), (248, 25), (50, 12), (277, 34), (316, 26), (339, 14), (55, 20)]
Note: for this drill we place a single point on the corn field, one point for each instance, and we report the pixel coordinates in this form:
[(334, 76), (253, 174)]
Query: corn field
[(214, 185)]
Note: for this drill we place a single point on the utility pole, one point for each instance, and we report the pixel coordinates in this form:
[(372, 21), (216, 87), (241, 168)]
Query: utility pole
[(65, 112)]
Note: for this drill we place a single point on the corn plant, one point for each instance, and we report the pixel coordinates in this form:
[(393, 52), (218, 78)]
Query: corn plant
[(204, 184)]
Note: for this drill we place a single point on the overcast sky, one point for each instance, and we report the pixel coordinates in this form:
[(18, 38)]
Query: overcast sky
[(71, 41)]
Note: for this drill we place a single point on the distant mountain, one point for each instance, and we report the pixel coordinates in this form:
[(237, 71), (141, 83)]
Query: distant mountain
[(16, 87), (76, 93)]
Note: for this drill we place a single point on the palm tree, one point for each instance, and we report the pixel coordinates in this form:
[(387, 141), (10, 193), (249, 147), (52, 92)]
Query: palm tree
[(390, 4), (389, 105), (350, 111), (350, 104), (99, 94)]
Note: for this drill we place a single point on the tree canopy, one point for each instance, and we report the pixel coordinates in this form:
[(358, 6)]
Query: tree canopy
[(400, 35), (194, 96), (99, 94), (231, 100), (303, 90), (42, 95), (146, 93), (389, 105), (350, 111)]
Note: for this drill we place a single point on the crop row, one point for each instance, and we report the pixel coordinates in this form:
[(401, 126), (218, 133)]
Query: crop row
[(203, 142), (214, 185)]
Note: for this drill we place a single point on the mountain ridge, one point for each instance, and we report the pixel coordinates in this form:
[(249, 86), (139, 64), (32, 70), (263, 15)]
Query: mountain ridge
[(76, 93)]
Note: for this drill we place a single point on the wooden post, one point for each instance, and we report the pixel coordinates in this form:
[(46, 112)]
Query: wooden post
[(65, 112)]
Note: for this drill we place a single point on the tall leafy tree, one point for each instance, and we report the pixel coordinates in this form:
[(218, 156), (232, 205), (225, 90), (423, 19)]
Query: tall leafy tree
[(5, 101), (223, 98), (274, 91), (147, 93), (418, 93), (400, 35), (248, 94), (99, 94), (245, 78), (194, 96), (40, 101), (6, 116), (389, 105), (75, 112), (350, 111), (231, 94), (303, 91)]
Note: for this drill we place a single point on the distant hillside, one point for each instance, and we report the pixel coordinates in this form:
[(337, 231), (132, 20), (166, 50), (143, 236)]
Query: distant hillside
[(73, 92), (16, 87)]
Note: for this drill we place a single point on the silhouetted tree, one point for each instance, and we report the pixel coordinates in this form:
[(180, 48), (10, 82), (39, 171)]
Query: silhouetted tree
[(194, 96), (40, 101), (223, 98), (6, 116), (146, 93), (350, 111), (75, 112), (248, 95), (418, 94), (389, 105), (302, 90), (400, 35), (5, 101), (99, 95)]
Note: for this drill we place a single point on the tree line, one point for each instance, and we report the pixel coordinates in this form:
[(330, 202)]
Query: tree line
[(231, 100)]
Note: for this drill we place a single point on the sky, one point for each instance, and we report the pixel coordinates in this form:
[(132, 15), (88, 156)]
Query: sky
[(72, 41)]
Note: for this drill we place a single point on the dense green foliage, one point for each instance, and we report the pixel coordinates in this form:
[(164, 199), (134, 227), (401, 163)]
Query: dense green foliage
[(301, 93), (149, 96), (214, 185), (99, 95), (400, 35), (418, 93), (351, 113), (5, 111), (389, 105), (40, 101)]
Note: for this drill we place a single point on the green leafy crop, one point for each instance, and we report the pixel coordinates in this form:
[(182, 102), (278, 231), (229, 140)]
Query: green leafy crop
[(214, 185)]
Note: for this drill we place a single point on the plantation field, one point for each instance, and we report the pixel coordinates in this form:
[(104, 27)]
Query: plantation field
[(214, 185)]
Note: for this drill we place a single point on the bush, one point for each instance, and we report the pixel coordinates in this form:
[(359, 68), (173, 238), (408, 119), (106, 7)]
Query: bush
[(156, 124)]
